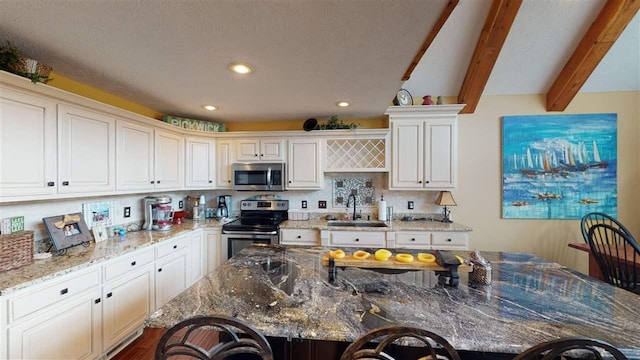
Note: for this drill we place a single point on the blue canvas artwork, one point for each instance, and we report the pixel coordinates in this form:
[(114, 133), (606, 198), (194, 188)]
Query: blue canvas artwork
[(559, 166)]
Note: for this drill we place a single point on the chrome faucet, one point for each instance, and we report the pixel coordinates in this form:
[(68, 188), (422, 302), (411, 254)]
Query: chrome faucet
[(354, 205)]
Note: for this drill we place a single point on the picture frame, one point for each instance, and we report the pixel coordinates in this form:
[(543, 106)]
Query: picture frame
[(67, 230), (99, 233)]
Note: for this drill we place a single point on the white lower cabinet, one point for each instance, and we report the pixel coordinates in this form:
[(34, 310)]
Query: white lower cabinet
[(429, 240), (127, 296), (198, 258), (173, 268), (413, 240), (373, 239), (299, 237), (59, 319), (213, 249)]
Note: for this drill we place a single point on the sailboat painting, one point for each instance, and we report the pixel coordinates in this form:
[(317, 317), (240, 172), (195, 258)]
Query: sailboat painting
[(559, 166)]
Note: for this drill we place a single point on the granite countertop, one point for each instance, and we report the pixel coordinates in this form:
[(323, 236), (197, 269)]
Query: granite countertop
[(395, 225), (284, 292), (79, 257)]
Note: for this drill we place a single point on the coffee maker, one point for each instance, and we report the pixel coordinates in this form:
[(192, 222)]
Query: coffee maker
[(158, 214), (224, 207)]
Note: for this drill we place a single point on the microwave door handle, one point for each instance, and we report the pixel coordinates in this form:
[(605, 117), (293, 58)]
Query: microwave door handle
[(269, 177)]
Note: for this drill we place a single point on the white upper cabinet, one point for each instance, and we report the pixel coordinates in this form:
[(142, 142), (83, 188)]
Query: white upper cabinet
[(28, 161), (259, 150), (224, 162), (134, 153), (304, 164), (200, 167), (86, 151), (169, 160), (424, 147)]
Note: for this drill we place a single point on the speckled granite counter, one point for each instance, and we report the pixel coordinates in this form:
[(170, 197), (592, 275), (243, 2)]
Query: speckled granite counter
[(284, 292), (80, 257), (395, 225)]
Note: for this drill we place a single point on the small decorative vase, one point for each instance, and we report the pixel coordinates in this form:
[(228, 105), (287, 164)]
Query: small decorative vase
[(427, 100), (439, 100)]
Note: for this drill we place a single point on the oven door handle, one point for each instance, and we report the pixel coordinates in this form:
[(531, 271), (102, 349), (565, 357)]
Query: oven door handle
[(231, 232)]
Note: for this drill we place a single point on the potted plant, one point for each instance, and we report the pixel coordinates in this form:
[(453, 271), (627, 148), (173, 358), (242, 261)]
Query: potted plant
[(333, 123), (13, 62)]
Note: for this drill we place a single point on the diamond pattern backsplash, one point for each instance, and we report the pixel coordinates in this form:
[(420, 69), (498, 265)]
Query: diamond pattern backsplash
[(363, 188)]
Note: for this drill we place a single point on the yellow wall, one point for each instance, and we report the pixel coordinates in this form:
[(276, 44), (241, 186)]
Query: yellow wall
[(75, 87), (480, 184)]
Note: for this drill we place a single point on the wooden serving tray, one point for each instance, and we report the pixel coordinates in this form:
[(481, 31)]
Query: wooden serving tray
[(392, 263)]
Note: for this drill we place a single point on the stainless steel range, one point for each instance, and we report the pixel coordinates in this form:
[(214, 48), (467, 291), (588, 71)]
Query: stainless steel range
[(259, 223)]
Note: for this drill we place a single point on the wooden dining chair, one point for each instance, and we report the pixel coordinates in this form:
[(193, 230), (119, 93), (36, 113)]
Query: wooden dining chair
[(595, 218), (617, 255), (379, 343), (578, 346), (213, 338)]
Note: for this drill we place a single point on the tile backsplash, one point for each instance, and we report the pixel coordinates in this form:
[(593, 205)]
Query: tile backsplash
[(368, 186)]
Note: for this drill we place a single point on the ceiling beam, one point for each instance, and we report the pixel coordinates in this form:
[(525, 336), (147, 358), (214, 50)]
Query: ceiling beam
[(494, 33), (448, 9), (596, 42)]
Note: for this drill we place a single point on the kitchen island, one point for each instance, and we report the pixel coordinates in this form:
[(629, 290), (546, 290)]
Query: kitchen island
[(284, 292)]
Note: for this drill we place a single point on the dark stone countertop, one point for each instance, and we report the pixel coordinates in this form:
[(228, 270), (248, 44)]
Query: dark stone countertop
[(284, 292)]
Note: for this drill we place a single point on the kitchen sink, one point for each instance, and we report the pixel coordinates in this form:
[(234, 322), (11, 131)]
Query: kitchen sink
[(357, 223)]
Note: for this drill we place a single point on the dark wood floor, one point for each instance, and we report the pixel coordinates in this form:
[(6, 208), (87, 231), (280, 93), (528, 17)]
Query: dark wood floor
[(143, 348)]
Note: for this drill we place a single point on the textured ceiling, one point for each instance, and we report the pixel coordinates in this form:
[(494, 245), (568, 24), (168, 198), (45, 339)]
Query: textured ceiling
[(172, 56)]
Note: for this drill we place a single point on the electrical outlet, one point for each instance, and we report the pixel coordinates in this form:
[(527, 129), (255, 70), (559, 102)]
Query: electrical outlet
[(304, 204), (127, 211), (322, 204), (410, 205), (180, 204)]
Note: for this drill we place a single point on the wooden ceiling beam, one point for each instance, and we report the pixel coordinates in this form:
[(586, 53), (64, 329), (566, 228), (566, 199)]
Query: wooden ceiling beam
[(494, 34), (596, 42), (448, 9)]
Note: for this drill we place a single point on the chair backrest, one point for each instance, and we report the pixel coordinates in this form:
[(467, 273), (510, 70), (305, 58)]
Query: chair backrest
[(617, 256), (551, 350), (213, 338), (373, 344), (595, 218)]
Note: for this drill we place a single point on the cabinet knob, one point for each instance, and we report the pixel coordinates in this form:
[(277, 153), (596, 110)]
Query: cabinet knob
[(65, 183), (175, 246), (229, 181), (97, 301), (419, 181), (449, 240), (299, 237), (256, 155), (210, 181), (261, 155), (357, 239), (413, 239), (133, 263), (51, 183), (153, 182), (158, 181), (109, 294), (64, 291), (426, 182), (160, 270), (289, 181)]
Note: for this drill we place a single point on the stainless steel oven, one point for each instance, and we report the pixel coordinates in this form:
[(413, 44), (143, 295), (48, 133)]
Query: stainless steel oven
[(259, 223)]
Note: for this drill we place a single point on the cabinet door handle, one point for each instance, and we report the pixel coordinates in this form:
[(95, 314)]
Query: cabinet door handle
[(97, 301), (64, 291), (153, 182), (158, 181), (133, 263), (65, 183), (175, 246), (51, 183), (109, 295), (160, 270)]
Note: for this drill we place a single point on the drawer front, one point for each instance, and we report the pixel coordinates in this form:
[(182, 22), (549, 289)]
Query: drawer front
[(448, 240), (299, 237), (127, 263), (45, 295), (358, 239), (172, 245), (421, 240)]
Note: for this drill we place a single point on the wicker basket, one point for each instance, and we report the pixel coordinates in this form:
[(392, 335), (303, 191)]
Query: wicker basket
[(481, 274), (16, 250), (32, 69)]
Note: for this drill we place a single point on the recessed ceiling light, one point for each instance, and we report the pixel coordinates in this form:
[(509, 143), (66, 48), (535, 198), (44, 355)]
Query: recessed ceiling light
[(210, 107), (240, 68), (343, 103)]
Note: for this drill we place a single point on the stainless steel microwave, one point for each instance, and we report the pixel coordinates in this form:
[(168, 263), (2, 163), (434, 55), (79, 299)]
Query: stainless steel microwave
[(259, 176)]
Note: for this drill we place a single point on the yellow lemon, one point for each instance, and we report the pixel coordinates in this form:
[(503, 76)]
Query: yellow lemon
[(336, 254), (361, 255), (460, 258), (382, 254), (404, 258), (428, 258)]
